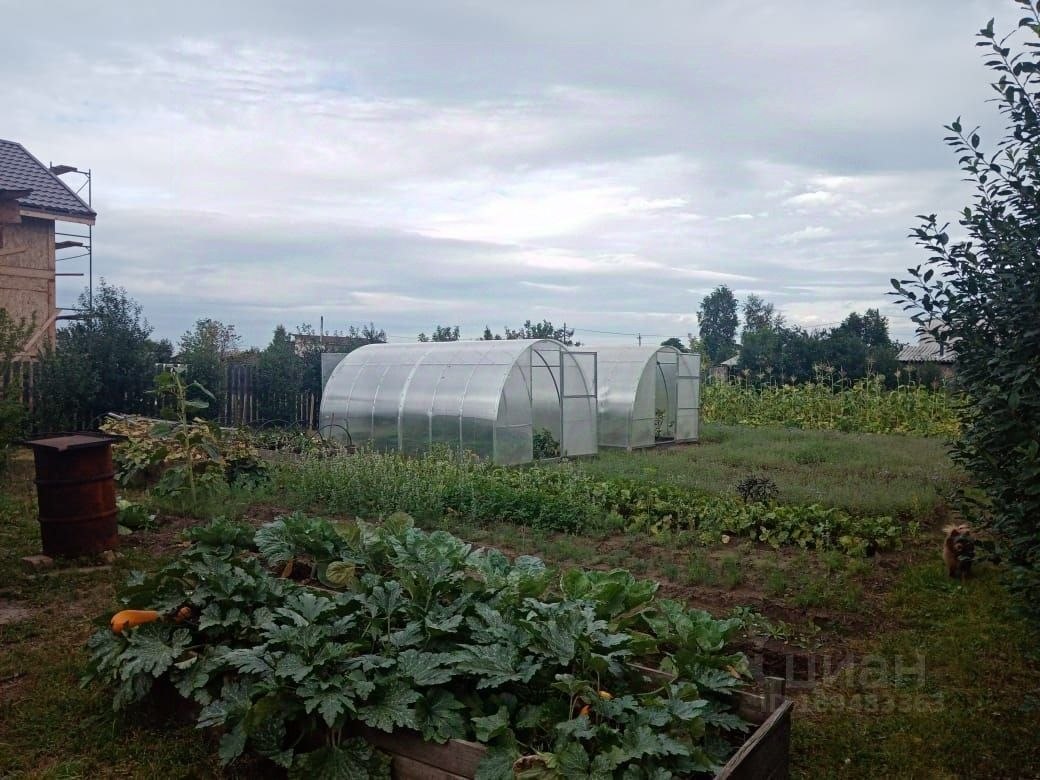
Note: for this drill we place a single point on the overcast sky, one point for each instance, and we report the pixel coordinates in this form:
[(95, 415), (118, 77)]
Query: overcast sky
[(412, 162)]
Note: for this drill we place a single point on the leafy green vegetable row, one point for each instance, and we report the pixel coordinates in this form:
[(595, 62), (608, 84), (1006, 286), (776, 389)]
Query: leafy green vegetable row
[(566, 498), (421, 631)]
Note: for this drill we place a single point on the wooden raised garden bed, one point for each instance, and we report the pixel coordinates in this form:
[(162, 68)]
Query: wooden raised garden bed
[(764, 755)]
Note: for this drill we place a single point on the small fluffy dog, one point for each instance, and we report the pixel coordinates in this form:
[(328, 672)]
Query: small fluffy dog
[(958, 549)]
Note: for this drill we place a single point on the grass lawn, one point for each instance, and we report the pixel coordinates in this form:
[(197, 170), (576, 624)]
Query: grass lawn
[(867, 474), (951, 688), (942, 678)]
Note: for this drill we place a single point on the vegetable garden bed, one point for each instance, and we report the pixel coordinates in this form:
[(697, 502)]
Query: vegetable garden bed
[(765, 755), (302, 641)]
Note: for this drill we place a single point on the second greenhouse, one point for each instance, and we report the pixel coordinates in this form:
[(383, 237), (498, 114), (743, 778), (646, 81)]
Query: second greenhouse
[(647, 396)]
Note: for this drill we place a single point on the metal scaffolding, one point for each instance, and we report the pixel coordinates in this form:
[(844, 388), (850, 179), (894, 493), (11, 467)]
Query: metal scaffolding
[(72, 244)]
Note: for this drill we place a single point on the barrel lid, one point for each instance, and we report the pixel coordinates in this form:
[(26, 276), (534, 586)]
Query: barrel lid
[(72, 441)]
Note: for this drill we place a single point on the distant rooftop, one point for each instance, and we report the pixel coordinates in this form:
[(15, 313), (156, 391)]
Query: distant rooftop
[(925, 352), (49, 195)]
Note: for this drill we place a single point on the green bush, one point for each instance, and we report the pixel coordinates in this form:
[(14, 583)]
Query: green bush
[(13, 336), (100, 364), (978, 297), (545, 444)]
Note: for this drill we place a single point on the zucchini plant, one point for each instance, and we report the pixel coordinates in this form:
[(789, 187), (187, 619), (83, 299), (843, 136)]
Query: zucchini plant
[(292, 639)]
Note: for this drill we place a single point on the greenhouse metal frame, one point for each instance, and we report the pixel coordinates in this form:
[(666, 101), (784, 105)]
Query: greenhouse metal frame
[(485, 397), (647, 396)]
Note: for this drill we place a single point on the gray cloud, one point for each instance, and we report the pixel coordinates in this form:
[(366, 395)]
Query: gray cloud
[(414, 163)]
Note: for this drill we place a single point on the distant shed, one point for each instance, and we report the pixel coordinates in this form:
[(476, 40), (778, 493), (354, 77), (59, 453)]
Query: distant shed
[(927, 354)]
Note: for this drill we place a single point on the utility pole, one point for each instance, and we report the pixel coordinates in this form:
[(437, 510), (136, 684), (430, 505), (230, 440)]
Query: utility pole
[(640, 337)]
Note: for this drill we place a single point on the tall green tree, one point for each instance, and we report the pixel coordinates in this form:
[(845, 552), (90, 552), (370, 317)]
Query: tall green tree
[(103, 362), (543, 330), (759, 315), (979, 298), (871, 327), (368, 334), (442, 333), (718, 324), (162, 351), (676, 342), (205, 349)]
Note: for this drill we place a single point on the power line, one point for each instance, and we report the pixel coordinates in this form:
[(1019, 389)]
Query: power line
[(619, 333)]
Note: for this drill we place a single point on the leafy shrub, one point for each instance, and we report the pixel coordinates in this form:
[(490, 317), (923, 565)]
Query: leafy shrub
[(12, 425), (13, 336), (134, 516), (756, 489), (156, 453), (431, 635), (99, 364), (545, 444), (978, 298)]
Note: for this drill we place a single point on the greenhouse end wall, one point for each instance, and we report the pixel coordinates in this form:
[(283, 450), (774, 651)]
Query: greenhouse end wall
[(486, 397), (647, 396)]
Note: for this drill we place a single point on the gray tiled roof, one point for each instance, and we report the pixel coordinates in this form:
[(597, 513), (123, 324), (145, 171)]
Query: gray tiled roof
[(927, 352), (19, 170)]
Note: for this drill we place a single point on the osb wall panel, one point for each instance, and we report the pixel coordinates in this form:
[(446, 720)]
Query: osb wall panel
[(36, 238), (27, 270)]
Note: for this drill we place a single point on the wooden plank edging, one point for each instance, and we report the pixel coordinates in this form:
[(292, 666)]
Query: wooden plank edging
[(456, 756), (765, 755)]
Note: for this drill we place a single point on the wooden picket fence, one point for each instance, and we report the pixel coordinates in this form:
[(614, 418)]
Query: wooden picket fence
[(244, 404)]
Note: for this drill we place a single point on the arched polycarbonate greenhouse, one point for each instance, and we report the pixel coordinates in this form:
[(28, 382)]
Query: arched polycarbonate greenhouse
[(486, 397), (647, 396)]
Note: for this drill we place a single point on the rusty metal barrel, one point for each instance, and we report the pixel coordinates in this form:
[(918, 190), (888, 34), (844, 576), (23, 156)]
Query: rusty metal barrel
[(76, 490)]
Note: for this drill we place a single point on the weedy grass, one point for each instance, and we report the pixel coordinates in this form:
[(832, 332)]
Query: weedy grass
[(51, 728), (699, 570), (776, 581), (865, 474), (967, 700), (732, 575)]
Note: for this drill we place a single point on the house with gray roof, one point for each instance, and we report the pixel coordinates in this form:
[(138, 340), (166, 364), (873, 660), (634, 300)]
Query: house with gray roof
[(926, 356), (32, 199)]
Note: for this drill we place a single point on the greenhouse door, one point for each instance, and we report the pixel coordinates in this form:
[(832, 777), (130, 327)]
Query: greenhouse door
[(578, 372), (688, 398)]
